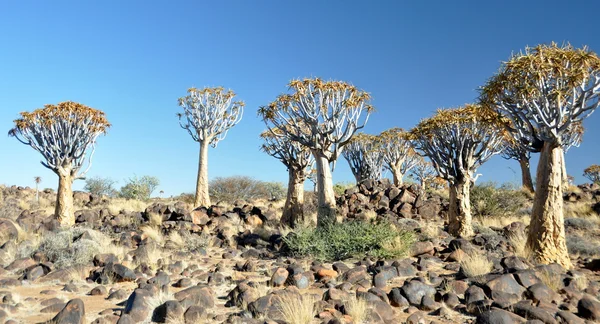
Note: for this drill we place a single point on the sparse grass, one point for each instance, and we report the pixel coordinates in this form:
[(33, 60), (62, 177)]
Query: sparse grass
[(430, 231), (578, 209), (153, 233), (152, 254), (297, 309), (550, 279), (582, 245), (188, 241), (156, 300), (500, 222), (117, 205), (345, 240), (155, 220), (518, 241), (581, 282), (489, 200), (357, 309), (475, 264)]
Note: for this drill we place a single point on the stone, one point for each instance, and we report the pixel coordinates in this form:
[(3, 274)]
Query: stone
[(473, 294), (416, 318), (196, 295), (194, 314), (498, 316), (414, 291), (526, 278), (136, 306), (589, 308), (396, 298), (72, 313), (419, 248), (119, 272), (531, 312), (505, 283), (568, 317), (183, 283), (98, 291), (539, 292), (117, 294), (171, 309)]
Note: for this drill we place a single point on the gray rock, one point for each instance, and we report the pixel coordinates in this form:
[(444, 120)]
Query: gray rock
[(505, 283), (171, 309), (498, 316), (73, 313), (589, 308), (414, 291)]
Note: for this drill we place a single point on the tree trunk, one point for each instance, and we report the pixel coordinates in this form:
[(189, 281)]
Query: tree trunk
[(546, 237), (293, 210), (564, 175), (326, 195), (459, 215), (398, 176), (65, 212), (526, 175), (202, 196)]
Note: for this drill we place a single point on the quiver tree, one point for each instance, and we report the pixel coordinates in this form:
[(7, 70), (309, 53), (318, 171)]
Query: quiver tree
[(65, 134), (208, 114), (398, 154), (322, 116), (365, 157), (512, 150), (458, 141), (592, 173), (37, 181), (297, 159), (544, 92), (424, 173)]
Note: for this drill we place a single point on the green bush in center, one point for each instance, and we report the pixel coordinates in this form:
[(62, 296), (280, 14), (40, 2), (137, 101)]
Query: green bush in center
[(350, 239)]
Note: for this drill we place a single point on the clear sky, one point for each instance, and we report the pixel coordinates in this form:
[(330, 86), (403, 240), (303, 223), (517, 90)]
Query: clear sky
[(133, 59)]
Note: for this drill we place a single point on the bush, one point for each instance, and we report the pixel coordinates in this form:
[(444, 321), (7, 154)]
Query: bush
[(489, 200), (350, 239), (340, 187), (139, 188), (230, 189), (68, 247), (100, 186), (584, 247)]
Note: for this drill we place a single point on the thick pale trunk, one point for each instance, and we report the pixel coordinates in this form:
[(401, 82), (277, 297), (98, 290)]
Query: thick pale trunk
[(202, 196), (546, 231), (526, 175), (398, 177), (564, 175), (459, 215), (293, 210), (326, 195), (65, 211)]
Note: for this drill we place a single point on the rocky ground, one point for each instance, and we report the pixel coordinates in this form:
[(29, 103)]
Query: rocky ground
[(170, 264)]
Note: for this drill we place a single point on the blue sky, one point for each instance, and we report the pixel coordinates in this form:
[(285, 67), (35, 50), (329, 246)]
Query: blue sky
[(133, 59)]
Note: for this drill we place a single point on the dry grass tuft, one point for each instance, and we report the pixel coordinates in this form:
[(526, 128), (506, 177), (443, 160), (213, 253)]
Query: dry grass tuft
[(297, 309), (578, 209), (127, 205), (475, 264), (153, 233), (357, 309), (519, 243), (500, 222)]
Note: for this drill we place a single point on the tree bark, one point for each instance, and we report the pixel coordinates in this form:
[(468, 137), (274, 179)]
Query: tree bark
[(546, 237), (293, 210), (65, 212), (565, 176), (398, 176), (202, 197), (526, 175), (459, 215), (326, 195)]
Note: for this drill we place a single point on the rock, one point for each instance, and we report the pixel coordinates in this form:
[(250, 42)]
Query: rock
[(513, 264), (526, 278), (498, 316), (72, 313), (428, 304), (170, 310), (589, 308), (539, 292), (396, 298), (326, 273), (34, 273), (505, 283), (531, 312), (383, 309), (415, 290), (279, 277), (118, 272), (117, 294), (98, 291), (473, 294), (183, 283), (451, 300), (197, 295), (419, 248), (136, 306), (416, 318), (568, 317), (194, 314)]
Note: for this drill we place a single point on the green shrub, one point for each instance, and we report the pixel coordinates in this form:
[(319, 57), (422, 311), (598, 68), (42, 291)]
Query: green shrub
[(230, 189), (100, 186), (350, 239), (340, 187), (139, 188), (67, 247), (489, 200)]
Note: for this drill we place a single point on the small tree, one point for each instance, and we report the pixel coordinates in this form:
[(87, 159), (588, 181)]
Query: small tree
[(65, 134), (100, 186), (296, 158), (398, 153), (207, 116), (139, 188), (544, 92), (592, 173), (458, 141), (512, 150), (37, 181), (365, 157), (424, 173), (322, 116)]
